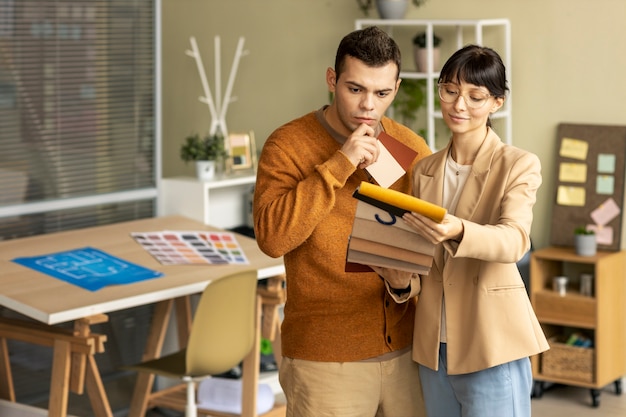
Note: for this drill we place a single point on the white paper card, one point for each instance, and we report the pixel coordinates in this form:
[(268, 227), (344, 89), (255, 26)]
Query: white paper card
[(386, 170)]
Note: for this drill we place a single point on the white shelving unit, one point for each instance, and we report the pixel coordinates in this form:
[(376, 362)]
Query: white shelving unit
[(220, 203), (465, 31)]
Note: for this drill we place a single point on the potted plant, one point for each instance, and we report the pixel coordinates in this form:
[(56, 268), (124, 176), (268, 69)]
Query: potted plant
[(585, 241), (410, 99), (388, 9), (207, 152), (421, 52)]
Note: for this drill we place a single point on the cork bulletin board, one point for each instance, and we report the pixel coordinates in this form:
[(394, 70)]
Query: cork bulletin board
[(589, 184)]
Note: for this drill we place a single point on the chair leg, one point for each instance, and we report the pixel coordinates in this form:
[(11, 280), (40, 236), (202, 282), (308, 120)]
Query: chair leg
[(191, 410)]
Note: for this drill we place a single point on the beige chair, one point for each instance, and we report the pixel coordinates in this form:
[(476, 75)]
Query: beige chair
[(222, 334)]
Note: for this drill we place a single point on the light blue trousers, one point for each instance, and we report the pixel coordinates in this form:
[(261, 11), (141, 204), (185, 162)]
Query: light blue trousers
[(503, 390)]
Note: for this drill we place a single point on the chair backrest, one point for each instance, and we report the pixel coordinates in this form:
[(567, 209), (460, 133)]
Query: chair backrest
[(224, 325)]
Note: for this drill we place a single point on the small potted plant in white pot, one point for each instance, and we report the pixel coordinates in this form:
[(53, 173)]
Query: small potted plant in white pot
[(207, 152), (421, 52), (585, 241)]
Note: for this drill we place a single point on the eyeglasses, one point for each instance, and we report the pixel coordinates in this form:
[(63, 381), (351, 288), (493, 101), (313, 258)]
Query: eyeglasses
[(474, 99)]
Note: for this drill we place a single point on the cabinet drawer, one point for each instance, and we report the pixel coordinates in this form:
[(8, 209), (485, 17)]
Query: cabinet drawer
[(576, 310)]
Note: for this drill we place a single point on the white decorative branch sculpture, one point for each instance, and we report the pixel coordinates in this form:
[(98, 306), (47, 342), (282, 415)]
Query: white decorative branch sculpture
[(219, 106)]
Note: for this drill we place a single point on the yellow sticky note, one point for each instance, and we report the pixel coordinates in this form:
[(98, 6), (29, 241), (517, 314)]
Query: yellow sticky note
[(572, 172), (570, 196), (574, 148)]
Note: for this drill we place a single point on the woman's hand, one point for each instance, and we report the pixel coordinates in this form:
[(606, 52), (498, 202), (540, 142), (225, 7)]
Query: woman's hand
[(450, 228)]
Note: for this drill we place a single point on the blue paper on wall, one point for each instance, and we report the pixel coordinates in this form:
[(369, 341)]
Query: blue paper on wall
[(88, 268)]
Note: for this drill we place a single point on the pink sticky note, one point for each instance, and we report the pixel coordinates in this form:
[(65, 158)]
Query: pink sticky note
[(606, 212), (604, 235)]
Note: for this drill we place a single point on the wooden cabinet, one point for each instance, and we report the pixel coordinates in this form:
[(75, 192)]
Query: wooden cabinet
[(598, 319)]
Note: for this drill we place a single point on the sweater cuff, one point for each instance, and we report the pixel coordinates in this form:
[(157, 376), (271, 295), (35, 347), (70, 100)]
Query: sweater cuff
[(338, 167)]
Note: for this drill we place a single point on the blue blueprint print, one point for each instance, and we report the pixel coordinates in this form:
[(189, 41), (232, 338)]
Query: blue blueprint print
[(88, 268)]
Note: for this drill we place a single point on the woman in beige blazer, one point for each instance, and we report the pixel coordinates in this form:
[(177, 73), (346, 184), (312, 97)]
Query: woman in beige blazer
[(475, 327)]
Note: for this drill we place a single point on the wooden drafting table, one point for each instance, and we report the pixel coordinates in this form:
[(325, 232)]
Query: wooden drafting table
[(51, 301)]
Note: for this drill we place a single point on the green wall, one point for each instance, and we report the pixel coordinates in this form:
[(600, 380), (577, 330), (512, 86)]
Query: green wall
[(567, 66)]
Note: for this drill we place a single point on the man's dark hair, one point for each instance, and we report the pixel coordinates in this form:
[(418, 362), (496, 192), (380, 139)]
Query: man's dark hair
[(371, 45)]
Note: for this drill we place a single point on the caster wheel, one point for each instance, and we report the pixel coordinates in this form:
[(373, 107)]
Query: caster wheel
[(537, 389), (595, 398)]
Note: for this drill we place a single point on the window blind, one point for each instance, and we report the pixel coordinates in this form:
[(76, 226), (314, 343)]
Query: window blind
[(77, 114)]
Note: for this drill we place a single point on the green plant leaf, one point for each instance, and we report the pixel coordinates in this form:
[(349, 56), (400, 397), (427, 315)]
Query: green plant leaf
[(208, 148), (420, 40), (410, 98), (582, 230)]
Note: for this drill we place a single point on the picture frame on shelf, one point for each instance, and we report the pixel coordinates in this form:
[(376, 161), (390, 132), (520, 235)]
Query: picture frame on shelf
[(242, 150)]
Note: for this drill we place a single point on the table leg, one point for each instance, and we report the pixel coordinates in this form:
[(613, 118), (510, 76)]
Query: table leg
[(183, 320), (73, 361), (154, 344), (59, 383), (277, 345), (7, 390), (273, 297), (95, 389), (82, 327), (251, 364)]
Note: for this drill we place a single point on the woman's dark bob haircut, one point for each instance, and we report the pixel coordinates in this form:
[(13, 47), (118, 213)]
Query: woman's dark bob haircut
[(476, 65)]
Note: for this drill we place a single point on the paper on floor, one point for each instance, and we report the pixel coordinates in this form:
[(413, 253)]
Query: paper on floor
[(224, 395)]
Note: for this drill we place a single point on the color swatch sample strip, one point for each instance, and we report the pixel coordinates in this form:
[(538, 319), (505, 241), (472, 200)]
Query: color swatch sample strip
[(182, 247)]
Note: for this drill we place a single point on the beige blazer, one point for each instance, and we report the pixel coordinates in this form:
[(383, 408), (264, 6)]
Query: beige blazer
[(489, 318)]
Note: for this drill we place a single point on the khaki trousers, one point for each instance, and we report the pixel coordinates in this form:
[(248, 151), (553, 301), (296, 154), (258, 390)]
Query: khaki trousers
[(352, 389)]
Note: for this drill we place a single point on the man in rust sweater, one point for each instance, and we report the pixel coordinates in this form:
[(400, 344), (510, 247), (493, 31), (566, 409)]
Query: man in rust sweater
[(345, 342)]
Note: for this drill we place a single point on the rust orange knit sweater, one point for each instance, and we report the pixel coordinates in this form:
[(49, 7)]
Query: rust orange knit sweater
[(303, 210)]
